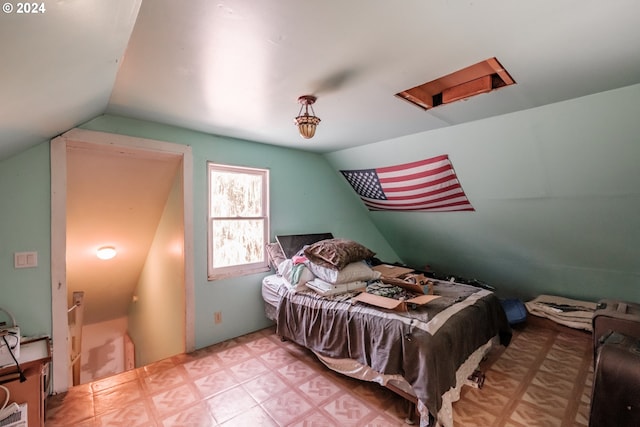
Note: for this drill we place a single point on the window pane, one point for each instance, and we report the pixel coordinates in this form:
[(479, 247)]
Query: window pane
[(235, 194), (237, 242)]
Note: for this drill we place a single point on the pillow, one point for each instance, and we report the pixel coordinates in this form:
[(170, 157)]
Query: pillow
[(275, 255), (355, 271), (296, 275), (337, 253)]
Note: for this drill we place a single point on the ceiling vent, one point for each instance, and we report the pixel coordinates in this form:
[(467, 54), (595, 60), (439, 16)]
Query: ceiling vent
[(479, 78)]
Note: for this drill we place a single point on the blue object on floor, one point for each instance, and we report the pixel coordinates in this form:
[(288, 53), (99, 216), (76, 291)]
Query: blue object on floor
[(515, 310)]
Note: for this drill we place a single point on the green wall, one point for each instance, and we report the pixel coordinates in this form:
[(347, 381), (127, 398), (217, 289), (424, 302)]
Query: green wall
[(306, 196), (25, 225), (556, 191)]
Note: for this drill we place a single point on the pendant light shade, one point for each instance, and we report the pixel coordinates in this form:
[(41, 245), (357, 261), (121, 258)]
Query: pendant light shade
[(306, 122)]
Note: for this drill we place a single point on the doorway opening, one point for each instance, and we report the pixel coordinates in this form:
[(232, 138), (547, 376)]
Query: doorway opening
[(134, 195)]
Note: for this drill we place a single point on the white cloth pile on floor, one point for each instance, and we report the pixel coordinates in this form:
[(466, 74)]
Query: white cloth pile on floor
[(569, 312)]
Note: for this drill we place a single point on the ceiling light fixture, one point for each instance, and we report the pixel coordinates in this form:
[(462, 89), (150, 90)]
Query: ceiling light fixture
[(106, 252), (307, 122)]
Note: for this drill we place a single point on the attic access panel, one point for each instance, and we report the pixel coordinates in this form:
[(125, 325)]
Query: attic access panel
[(479, 78)]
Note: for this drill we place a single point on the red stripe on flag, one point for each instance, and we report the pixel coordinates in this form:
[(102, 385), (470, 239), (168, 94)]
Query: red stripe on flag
[(435, 202), (429, 193), (422, 185), (412, 164), (417, 175), (461, 206)]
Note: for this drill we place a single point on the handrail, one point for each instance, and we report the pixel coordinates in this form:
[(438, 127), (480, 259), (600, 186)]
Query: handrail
[(75, 315), (78, 297)]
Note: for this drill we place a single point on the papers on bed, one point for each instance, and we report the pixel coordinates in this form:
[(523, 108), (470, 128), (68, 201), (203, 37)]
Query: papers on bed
[(388, 270), (403, 277), (391, 303), (326, 288)]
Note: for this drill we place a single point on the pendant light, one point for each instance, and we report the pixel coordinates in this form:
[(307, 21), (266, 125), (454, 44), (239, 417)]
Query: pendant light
[(307, 122)]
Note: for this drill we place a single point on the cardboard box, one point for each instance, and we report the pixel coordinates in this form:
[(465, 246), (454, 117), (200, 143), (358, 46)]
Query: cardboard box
[(405, 278), (417, 288), (393, 304), (392, 271)]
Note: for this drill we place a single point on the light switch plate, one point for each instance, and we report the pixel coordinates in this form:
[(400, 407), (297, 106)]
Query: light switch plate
[(25, 259)]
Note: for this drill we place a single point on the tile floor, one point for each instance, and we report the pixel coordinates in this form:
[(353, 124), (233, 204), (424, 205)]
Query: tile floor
[(542, 379)]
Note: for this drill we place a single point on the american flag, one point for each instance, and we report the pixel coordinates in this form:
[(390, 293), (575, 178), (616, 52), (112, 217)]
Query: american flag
[(426, 185)]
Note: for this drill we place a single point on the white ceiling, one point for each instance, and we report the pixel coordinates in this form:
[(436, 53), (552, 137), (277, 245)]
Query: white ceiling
[(236, 68)]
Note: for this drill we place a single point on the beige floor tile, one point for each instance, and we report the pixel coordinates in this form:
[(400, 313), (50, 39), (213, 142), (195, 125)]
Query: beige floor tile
[(260, 380), (230, 403), (287, 407)]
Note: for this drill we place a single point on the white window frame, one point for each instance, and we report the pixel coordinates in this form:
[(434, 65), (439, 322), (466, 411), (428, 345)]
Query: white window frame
[(240, 269)]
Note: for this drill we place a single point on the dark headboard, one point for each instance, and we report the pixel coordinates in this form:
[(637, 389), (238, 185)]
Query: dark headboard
[(291, 244)]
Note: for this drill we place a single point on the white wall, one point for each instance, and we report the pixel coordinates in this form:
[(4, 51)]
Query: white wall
[(103, 349)]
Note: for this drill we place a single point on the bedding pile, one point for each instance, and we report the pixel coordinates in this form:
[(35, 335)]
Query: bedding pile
[(568, 312), (426, 345), (328, 267)]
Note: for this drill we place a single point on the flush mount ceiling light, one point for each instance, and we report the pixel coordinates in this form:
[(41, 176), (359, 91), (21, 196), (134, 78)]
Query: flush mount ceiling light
[(307, 122), (106, 252)]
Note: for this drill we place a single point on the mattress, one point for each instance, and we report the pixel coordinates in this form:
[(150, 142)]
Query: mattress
[(271, 289)]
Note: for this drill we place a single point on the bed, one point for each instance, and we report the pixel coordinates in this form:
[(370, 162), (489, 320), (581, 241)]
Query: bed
[(424, 353)]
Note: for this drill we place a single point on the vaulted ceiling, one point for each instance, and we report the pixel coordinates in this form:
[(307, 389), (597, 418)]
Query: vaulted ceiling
[(237, 67)]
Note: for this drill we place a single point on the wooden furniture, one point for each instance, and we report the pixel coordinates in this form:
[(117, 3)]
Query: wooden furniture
[(35, 356)]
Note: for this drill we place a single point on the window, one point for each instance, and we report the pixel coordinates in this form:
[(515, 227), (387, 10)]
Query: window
[(238, 220)]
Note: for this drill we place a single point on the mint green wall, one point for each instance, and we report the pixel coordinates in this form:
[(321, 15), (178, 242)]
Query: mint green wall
[(25, 224), (555, 190), (306, 196), (557, 197)]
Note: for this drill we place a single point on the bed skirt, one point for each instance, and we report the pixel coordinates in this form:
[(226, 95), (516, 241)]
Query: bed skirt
[(354, 369)]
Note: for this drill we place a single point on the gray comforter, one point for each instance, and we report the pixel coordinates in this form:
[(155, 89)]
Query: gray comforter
[(425, 345)]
